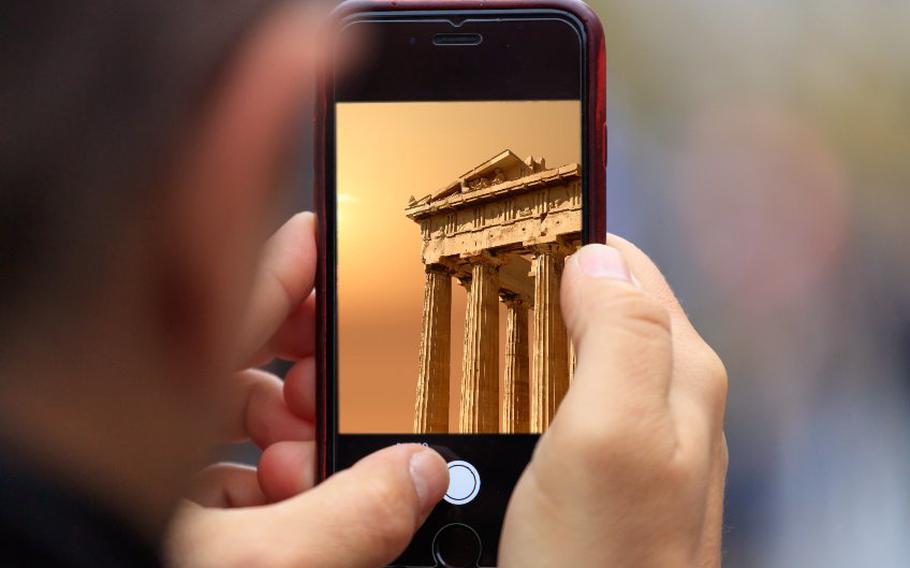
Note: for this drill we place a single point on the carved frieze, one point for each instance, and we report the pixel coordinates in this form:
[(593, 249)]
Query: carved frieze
[(542, 207)]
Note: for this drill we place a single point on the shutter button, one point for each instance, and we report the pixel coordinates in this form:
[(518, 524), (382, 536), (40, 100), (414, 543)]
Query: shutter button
[(464, 483)]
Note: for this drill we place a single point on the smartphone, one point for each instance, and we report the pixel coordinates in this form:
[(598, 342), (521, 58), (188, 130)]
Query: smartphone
[(461, 157)]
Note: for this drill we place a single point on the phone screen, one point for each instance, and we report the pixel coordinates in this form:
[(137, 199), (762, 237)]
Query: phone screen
[(454, 219), (456, 188)]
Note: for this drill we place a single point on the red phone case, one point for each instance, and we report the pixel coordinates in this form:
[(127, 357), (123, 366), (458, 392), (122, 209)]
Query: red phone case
[(596, 152)]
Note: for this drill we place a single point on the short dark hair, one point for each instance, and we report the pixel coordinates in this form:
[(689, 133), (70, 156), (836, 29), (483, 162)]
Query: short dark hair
[(94, 98)]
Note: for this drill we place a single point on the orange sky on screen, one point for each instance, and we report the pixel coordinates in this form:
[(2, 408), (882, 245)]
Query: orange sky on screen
[(387, 152)]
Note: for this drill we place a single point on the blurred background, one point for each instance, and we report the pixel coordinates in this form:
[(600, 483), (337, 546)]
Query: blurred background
[(760, 153)]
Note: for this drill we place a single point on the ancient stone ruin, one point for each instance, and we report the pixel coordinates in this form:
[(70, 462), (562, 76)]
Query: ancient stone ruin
[(502, 230)]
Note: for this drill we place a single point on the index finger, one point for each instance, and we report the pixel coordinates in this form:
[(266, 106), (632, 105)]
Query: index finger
[(284, 281)]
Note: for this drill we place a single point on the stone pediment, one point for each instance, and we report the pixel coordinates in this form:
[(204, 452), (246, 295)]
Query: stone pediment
[(503, 175), (503, 167)]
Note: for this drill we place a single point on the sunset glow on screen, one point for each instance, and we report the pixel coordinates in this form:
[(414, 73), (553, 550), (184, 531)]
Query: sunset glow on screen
[(388, 153)]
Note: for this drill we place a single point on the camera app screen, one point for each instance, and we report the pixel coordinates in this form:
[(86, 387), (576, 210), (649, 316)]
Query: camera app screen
[(454, 220)]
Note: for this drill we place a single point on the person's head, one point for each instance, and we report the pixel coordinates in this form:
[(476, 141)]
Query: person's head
[(142, 150)]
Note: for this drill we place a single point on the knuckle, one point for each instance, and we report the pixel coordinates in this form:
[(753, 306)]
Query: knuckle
[(716, 377), (684, 469), (625, 444), (629, 308)]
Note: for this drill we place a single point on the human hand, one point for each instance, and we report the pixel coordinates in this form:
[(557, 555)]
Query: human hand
[(631, 470), (269, 515)]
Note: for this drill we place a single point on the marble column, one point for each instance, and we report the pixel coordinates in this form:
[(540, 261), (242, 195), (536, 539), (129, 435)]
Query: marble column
[(479, 412), (549, 367), (431, 412), (516, 405)]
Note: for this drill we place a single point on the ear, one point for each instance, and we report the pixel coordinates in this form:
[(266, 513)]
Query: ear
[(227, 183)]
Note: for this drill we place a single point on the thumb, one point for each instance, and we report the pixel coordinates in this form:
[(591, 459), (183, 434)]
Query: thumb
[(621, 333), (365, 516)]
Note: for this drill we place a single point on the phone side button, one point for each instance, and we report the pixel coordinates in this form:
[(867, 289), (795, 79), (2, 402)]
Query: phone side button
[(464, 483)]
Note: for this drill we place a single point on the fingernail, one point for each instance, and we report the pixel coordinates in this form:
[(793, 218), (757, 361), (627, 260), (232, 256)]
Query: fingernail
[(424, 468), (602, 261)]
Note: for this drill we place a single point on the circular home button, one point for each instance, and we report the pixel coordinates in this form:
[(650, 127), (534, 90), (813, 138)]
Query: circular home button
[(464, 483), (456, 546)]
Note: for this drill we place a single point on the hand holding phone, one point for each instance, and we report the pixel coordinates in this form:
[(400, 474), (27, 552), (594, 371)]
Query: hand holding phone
[(601, 488), (631, 472), (271, 515), (462, 169)]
